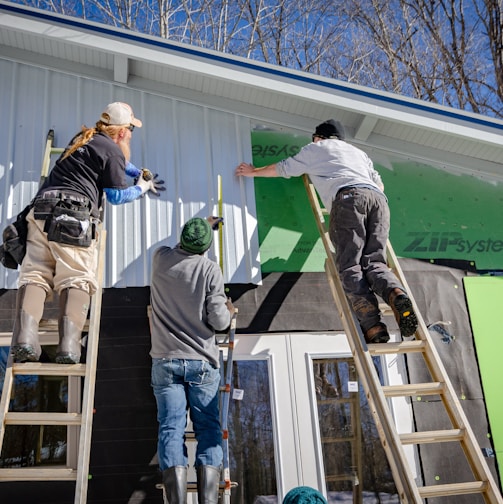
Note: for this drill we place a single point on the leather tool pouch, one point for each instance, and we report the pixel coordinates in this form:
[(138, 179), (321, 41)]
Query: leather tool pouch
[(44, 207), (67, 220), (14, 238), (71, 227)]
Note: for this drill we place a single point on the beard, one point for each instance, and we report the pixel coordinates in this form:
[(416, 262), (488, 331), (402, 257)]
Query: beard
[(125, 148)]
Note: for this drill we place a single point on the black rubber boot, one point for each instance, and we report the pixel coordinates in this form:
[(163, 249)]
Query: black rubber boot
[(174, 480), (73, 306), (208, 481), (25, 345)]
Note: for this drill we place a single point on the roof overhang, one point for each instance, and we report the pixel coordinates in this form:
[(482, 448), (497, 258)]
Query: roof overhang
[(266, 93)]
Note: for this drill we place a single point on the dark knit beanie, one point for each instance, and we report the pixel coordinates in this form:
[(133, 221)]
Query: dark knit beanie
[(304, 495), (330, 128), (196, 235)]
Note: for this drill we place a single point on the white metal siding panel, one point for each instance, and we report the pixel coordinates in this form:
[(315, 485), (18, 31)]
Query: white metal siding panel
[(188, 145)]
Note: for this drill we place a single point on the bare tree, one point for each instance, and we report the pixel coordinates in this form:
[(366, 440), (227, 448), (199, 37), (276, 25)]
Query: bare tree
[(436, 51)]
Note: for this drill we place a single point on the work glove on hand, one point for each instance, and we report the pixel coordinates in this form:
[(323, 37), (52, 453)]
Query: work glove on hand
[(158, 185), (153, 185)]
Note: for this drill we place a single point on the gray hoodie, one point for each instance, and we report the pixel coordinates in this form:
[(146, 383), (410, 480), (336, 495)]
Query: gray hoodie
[(188, 306)]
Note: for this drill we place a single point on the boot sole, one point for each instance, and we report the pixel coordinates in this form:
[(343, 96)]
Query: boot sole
[(24, 354), (406, 318), (67, 359)]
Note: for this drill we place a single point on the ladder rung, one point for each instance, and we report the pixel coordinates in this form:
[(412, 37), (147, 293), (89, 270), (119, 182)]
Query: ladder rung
[(38, 418), (192, 486), (438, 436), (397, 348), (52, 325), (38, 474), (49, 369), (413, 389), (453, 489), (49, 336)]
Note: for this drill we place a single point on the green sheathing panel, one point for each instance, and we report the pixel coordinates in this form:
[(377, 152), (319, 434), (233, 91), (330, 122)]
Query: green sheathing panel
[(288, 236), (436, 214), (484, 295)]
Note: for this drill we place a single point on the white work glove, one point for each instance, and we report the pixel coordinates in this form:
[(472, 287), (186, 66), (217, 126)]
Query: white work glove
[(153, 185), (145, 185)]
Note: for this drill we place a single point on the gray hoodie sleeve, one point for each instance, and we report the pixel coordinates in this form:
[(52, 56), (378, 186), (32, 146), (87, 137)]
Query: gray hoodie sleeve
[(219, 316)]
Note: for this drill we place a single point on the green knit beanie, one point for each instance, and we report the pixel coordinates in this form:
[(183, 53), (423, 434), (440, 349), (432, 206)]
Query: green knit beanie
[(304, 495), (196, 235)]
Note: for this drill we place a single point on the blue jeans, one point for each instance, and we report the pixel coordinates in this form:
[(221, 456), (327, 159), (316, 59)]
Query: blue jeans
[(180, 385)]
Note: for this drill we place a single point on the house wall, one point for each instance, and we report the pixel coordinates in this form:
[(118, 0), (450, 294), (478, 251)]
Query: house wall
[(191, 146), (286, 318), (289, 320)]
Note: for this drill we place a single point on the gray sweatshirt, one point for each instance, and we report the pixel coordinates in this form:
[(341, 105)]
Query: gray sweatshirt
[(188, 305), (331, 164)]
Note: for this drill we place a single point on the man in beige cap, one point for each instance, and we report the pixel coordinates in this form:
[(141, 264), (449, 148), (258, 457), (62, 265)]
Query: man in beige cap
[(61, 252)]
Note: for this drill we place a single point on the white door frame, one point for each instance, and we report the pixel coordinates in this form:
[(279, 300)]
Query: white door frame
[(297, 443)]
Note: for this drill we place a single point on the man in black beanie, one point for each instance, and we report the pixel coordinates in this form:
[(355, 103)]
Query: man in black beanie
[(188, 305), (352, 190)]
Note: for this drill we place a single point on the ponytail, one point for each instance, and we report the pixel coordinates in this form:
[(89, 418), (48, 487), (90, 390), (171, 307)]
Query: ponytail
[(86, 134)]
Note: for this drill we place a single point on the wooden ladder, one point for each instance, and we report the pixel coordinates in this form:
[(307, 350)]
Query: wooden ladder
[(79, 415), (458, 430)]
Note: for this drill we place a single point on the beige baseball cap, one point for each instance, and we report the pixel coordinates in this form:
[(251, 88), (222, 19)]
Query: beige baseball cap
[(119, 113)]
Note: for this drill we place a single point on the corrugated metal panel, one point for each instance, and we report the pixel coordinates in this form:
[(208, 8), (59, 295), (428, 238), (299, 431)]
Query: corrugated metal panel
[(188, 145)]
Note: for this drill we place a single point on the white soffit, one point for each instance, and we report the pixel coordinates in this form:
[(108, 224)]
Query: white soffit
[(297, 99)]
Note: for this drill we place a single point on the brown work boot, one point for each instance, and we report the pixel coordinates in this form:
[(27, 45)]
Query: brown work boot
[(402, 307), (377, 334)]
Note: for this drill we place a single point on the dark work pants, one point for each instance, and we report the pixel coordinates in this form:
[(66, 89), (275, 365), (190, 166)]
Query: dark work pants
[(359, 229)]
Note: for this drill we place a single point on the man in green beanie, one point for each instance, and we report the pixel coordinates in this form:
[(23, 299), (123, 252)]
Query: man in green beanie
[(188, 305)]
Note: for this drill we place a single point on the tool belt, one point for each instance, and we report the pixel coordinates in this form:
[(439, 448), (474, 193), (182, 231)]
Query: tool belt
[(67, 217)]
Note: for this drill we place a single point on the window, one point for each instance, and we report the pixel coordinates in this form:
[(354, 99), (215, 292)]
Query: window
[(251, 443), (355, 464)]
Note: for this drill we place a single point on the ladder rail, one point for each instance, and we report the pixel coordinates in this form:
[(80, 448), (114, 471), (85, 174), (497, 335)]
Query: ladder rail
[(409, 492), (6, 395), (450, 399), (227, 388), (90, 381), (377, 401)]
